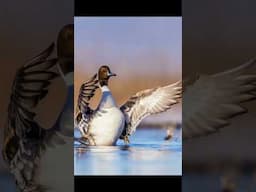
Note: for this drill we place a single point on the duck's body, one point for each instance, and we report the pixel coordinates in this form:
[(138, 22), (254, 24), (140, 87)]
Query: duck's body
[(109, 122)]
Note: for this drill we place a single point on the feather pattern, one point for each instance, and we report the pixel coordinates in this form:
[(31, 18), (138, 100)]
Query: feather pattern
[(148, 102), (212, 100), (84, 112), (23, 137), (29, 87), (86, 92)]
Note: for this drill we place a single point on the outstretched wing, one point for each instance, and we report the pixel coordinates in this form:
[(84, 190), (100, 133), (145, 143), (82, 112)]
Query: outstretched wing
[(86, 92), (29, 87), (147, 102), (210, 102)]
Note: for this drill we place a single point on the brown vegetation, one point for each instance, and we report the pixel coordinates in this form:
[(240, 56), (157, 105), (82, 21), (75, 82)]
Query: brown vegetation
[(122, 86)]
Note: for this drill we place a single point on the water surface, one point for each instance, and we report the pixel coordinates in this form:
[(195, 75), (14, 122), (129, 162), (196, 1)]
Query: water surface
[(147, 154), (7, 183)]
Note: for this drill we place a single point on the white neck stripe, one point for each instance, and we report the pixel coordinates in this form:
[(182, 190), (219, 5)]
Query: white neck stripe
[(105, 88)]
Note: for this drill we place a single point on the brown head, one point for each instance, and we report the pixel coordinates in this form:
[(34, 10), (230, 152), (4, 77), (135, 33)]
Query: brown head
[(65, 48), (104, 74)]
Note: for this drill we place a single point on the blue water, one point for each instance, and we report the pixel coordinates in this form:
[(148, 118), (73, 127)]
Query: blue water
[(147, 154), (7, 183)]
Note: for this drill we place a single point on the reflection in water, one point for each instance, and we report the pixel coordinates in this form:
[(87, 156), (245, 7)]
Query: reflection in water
[(148, 154)]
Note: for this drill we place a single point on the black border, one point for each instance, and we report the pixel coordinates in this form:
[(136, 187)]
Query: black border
[(149, 8), (128, 8), (128, 183)]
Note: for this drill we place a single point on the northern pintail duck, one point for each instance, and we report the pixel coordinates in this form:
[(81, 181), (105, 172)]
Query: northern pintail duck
[(31, 151), (109, 122)]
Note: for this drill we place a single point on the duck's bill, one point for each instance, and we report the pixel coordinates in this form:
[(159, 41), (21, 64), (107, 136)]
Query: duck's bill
[(111, 74)]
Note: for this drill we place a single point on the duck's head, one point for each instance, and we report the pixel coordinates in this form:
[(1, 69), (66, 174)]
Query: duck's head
[(104, 74), (65, 48)]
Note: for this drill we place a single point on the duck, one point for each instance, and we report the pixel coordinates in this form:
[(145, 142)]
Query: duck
[(110, 122), (30, 150)]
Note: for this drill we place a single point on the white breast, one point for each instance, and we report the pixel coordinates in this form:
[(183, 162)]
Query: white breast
[(107, 126)]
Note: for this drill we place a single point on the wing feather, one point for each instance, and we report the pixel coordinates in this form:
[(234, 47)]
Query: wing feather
[(148, 102), (86, 92), (212, 100), (29, 87)]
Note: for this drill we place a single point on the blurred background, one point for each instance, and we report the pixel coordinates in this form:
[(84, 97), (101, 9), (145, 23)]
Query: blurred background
[(27, 28), (144, 52), (219, 35)]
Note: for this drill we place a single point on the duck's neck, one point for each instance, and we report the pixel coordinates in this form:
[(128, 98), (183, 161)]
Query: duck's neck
[(104, 88), (103, 82), (107, 100)]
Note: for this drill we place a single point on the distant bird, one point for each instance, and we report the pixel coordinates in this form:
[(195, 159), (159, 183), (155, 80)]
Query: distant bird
[(169, 133), (170, 130), (27, 145), (108, 122), (170, 127), (210, 101)]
